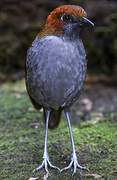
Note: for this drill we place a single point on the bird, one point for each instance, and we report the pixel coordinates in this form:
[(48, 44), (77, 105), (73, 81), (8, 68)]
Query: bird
[(56, 67)]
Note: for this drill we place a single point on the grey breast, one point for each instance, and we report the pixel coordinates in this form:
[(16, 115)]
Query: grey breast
[(56, 71)]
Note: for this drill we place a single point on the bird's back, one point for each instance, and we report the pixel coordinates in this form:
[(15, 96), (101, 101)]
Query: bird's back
[(56, 71)]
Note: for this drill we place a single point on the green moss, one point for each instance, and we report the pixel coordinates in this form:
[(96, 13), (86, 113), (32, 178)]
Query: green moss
[(22, 141)]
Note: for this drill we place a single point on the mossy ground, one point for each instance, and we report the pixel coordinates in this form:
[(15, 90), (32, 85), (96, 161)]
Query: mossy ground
[(22, 141)]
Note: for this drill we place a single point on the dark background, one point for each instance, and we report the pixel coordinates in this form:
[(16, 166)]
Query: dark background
[(20, 21)]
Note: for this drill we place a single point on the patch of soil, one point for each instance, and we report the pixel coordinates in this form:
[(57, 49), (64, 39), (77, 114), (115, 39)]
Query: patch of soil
[(97, 101)]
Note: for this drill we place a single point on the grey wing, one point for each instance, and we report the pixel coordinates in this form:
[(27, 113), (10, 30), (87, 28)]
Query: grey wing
[(32, 55)]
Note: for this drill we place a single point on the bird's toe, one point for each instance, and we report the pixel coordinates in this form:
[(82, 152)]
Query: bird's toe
[(52, 166), (75, 164), (45, 164)]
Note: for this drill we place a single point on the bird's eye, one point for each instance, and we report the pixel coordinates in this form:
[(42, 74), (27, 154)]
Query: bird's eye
[(67, 18)]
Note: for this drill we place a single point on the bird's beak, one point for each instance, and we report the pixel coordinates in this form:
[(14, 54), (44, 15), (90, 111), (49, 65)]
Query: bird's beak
[(88, 22)]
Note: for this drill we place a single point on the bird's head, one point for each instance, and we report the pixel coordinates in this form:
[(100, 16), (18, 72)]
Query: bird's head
[(67, 20)]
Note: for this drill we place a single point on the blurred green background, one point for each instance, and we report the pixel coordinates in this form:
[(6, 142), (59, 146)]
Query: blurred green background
[(20, 21)]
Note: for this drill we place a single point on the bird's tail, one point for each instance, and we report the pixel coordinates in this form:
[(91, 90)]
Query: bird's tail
[(54, 118)]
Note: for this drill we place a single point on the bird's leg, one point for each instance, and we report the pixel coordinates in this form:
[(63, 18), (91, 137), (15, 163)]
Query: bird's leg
[(74, 159), (46, 161)]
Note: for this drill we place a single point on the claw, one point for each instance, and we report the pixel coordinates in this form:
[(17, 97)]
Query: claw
[(76, 165), (45, 164)]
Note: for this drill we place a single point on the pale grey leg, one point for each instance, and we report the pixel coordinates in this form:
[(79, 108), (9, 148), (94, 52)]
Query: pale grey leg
[(45, 155), (74, 159)]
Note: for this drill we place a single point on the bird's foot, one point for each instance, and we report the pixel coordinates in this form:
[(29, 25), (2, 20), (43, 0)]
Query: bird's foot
[(74, 162), (45, 164)]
